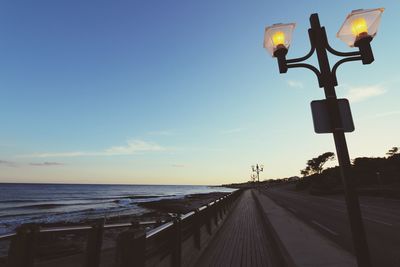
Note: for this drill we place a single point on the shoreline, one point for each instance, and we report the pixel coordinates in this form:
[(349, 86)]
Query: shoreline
[(154, 210), (182, 205), (65, 244)]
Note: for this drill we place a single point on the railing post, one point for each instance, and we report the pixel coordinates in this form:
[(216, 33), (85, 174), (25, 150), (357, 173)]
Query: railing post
[(221, 209), (22, 248), (177, 246), (197, 228), (224, 206), (215, 213), (208, 219), (94, 244), (131, 248)]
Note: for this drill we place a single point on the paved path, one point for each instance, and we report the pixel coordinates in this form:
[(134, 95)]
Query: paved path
[(242, 240), (302, 245), (328, 215)]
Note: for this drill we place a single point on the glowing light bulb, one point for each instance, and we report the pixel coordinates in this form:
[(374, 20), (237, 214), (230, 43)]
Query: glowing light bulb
[(359, 27), (278, 39)]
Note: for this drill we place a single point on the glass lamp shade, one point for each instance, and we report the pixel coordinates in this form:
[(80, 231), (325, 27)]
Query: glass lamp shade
[(359, 24), (278, 36)]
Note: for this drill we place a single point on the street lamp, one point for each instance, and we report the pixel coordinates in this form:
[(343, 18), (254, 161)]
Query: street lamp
[(358, 30), (253, 177), (257, 169)]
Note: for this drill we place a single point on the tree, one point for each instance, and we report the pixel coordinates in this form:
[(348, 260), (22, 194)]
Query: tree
[(315, 165), (305, 172), (392, 151)]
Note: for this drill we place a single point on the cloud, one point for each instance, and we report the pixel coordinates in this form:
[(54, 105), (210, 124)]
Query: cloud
[(295, 84), (361, 93), (131, 147), (46, 163), (7, 163), (58, 155), (386, 114), (178, 165), (162, 133), (6, 145), (232, 131)]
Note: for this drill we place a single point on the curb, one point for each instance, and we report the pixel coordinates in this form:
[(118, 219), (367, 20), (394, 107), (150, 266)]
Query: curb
[(298, 243), (284, 255)]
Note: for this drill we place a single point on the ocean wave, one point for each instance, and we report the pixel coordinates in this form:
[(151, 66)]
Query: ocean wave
[(11, 223), (58, 203), (20, 200), (146, 196), (41, 206), (52, 205)]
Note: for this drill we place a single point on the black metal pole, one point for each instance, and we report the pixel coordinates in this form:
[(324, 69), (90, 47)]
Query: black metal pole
[(319, 40)]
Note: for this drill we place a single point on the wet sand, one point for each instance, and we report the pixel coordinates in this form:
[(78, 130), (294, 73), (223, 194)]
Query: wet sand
[(184, 205), (57, 245)]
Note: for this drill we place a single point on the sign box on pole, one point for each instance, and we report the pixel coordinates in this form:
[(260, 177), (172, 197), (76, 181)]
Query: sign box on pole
[(321, 118)]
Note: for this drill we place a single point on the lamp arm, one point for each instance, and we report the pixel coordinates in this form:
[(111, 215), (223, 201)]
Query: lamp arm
[(341, 54), (307, 66), (338, 53), (309, 54), (340, 62), (300, 59)]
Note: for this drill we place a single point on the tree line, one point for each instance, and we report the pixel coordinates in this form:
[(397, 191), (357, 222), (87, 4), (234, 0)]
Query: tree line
[(372, 175), (366, 172)]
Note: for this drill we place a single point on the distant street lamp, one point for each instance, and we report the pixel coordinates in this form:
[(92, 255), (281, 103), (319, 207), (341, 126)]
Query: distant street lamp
[(257, 169), (253, 177), (358, 30)]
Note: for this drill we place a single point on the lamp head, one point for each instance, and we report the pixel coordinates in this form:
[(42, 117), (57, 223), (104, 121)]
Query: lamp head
[(359, 28), (278, 37), (360, 24)]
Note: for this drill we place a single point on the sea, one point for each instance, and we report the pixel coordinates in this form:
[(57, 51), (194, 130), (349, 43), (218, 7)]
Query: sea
[(57, 203)]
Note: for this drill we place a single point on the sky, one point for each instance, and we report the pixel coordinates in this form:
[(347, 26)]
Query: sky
[(178, 91)]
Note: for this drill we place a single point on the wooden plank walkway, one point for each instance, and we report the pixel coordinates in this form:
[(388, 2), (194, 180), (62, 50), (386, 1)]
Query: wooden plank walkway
[(242, 240)]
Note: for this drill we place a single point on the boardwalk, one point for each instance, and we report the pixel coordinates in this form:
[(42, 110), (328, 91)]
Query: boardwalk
[(242, 240)]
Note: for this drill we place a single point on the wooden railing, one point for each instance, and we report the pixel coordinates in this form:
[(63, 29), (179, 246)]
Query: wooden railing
[(162, 245)]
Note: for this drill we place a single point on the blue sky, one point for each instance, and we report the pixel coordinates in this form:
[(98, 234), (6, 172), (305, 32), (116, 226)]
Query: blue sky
[(177, 92)]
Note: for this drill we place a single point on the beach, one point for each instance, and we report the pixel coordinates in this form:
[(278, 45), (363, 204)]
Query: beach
[(52, 204), (144, 207)]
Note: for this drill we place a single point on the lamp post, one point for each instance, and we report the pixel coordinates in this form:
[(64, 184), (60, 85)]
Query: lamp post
[(358, 30), (253, 177), (257, 169)]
